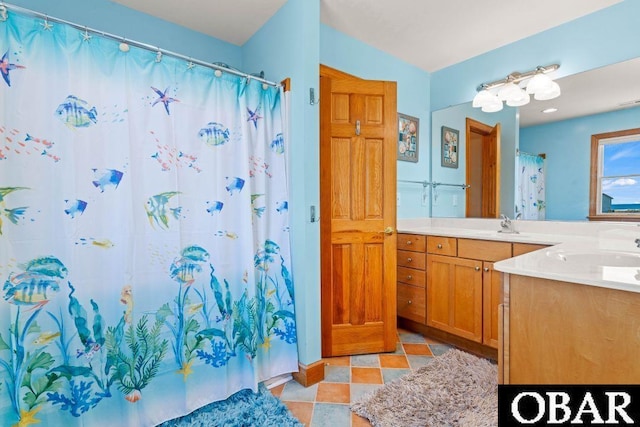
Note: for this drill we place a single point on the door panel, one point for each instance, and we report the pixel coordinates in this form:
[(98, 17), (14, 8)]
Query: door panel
[(454, 296), (438, 295), (357, 204)]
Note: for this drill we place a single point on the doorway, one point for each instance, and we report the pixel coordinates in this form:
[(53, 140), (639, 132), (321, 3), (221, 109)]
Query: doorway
[(483, 169)]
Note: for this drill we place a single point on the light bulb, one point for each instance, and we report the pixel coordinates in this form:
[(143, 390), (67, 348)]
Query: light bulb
[(539, 82), (493, 105), (482, 98), (508, 91), (550, 93), (518, 99)]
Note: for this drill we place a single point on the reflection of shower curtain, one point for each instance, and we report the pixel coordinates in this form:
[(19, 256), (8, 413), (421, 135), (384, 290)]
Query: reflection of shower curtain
[(531, 186), (144, 239)]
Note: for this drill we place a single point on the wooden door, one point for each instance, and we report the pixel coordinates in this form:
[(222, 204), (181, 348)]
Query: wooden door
[(358, 132), (454, 296), (492, 285), (482, 169)]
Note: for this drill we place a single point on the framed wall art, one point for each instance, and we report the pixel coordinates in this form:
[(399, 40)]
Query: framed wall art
[(408, 128), (449, 147)]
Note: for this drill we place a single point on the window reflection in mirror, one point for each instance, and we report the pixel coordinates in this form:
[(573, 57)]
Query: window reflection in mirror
[(615, 176)]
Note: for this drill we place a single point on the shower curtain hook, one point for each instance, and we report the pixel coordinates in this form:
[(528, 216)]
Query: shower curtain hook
[(3, 12), (86, 36), (46, 25), (159, 56)]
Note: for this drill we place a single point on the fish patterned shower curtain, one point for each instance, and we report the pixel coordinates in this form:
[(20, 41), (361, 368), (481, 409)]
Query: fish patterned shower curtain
[(531, 186), (144, 248)]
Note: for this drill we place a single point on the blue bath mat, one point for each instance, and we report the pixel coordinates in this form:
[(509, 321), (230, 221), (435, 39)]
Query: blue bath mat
[(243, 409)]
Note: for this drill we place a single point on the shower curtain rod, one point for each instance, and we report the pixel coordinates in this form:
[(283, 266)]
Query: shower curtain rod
[(543, 155), (435, 184), (7, 6)]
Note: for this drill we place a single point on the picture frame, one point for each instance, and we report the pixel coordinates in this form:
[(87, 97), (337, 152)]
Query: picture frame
[(408, 138), (450, 147)]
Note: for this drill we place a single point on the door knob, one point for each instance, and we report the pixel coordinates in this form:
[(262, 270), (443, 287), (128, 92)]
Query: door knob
[(388, 231)]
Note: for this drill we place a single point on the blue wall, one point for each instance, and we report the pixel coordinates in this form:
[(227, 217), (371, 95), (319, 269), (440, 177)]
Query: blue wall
[(118, 20), (567, 145), (287, 46), (347, 54)]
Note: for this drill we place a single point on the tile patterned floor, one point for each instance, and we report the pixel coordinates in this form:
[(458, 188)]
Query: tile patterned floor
[(349, 378)]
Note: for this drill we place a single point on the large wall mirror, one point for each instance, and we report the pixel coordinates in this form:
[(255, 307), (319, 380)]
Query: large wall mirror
[(592, 102)]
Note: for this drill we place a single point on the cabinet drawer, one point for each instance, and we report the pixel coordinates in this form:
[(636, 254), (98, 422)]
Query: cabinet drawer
[(411, 276), (485, 250), (442, 245), (410, 259), (411, 242), (411, 303), (525, 248)]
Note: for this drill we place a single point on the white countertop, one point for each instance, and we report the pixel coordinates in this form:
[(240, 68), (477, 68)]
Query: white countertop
[(592, 253)]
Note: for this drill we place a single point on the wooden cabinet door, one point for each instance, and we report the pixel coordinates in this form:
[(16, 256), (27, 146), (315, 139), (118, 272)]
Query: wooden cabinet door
[(454, 296), (491, 285)]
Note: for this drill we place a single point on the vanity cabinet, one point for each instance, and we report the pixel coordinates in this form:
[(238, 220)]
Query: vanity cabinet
[(568, 333), (449, 283), (411, 277), (463, 291)]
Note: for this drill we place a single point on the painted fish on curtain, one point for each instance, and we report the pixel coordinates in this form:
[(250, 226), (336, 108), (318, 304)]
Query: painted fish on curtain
[(144, 237)]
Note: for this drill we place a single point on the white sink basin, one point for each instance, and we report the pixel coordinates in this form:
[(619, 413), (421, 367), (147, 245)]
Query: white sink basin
[(595, 258)]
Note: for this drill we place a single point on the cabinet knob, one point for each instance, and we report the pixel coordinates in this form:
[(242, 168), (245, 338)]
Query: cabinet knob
[(439, 245), (408, 242), (409, 259), (486, 269), (409, 277), (409, 302), (477, 268)]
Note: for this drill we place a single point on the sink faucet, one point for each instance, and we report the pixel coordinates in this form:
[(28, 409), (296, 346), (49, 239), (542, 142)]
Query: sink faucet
[(506, 224), (638, 242)]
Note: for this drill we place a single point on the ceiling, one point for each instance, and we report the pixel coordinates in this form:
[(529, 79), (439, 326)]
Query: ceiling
[(595, 91), (430, 34)]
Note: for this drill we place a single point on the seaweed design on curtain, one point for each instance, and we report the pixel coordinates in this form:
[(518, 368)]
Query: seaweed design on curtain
[(531, 186), (144, 246)]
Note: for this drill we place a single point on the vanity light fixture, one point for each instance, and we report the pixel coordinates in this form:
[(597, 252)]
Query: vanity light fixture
[(515, 89)]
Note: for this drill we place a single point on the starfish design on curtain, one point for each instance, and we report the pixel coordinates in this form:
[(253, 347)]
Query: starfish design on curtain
[(5, 67), (253, 117), (46, 25), (163, 98)]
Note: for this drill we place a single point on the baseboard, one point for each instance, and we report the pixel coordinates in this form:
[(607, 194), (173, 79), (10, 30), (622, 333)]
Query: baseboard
[(308, 375), (447, 338)]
